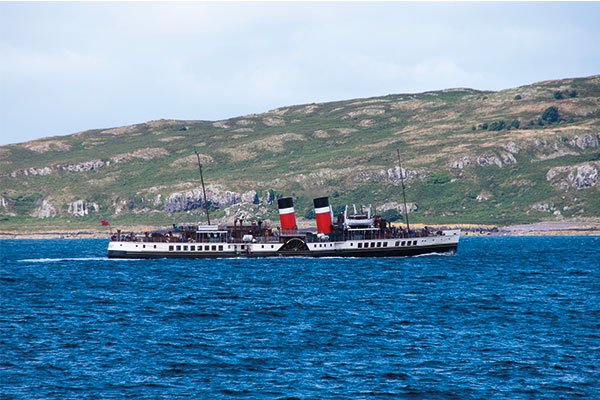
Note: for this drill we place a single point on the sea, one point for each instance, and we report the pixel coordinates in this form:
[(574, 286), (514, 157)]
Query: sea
[(504, 318)]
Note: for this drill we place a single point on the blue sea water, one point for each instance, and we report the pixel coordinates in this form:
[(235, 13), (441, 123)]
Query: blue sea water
[(506, 317)]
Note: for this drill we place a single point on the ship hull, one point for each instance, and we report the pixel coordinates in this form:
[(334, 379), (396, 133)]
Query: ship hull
[(447, 249), (397, 247)]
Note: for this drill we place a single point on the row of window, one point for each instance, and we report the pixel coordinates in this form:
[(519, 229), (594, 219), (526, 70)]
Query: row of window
[(206, 247), (323, 245), (385, 244), (242, 247), (197, 248)]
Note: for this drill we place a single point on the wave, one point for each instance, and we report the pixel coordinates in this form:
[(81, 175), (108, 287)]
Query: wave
[(44, 260), (450, 253)]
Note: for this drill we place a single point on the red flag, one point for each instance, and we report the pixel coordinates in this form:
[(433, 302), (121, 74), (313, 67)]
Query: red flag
[(104, 222)]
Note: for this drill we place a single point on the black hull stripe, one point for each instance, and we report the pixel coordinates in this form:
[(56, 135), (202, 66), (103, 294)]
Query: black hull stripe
[(376, 252)]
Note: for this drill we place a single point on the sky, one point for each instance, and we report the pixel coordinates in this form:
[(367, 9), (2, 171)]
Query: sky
[(69, 67)]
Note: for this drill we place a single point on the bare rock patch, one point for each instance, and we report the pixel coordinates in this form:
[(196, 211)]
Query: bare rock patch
[(191, 161), (45, 146)]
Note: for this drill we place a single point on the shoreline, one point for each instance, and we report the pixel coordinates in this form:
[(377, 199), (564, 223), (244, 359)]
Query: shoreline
[(534, 229)]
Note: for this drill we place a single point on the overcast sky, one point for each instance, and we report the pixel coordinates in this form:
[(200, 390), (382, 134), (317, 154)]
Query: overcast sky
[(68, 67)]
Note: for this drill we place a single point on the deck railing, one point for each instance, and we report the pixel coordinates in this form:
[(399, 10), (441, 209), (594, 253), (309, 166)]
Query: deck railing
[(281, 236)]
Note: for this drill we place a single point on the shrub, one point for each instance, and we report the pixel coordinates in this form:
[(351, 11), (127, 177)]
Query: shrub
[(515, 124), (558, 95), (573, 93), (473, 127), (550, 114), (484, 126), (518, 97), (497, 125)]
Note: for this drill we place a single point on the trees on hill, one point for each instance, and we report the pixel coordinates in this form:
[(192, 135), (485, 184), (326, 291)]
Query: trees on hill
[(550, 114), (558, 95), (497, 125)]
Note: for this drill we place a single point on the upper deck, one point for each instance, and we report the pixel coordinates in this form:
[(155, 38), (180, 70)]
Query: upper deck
[(262, 234)]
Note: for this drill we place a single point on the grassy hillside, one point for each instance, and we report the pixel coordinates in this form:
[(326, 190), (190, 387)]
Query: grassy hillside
[(470, 157)]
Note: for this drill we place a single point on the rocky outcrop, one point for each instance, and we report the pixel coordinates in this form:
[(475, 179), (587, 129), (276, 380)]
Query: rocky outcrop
[(583, 177), (508, 158), (250, 197), (91, 165), (119, 206), (70, 167), (485, 161), (392, 205), (32, 171), (45, 210), (579, 176), (79, 208), (483, 196), (511, 147), (217, 197), (566, 146), (584, 142), (82, 166), (460, 163), (488, 160), (193, 199), (392, 174), (543, 207)]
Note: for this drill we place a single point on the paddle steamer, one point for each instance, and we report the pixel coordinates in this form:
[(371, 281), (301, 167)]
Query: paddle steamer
[(359, 234)]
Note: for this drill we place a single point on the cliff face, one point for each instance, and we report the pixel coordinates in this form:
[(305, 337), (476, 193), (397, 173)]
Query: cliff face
[(518, 155)]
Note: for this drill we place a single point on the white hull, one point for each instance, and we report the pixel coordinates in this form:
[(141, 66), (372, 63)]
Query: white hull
[(396, 247)]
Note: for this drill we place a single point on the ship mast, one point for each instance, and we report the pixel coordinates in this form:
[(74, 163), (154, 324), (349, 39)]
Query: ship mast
[(403, 192), (202, 180)]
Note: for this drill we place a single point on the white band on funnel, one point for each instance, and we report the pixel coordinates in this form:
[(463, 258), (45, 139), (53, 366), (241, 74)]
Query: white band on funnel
[(322, 210)]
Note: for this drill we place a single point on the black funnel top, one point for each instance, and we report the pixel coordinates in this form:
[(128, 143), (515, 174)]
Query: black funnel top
[(286, 202), (321, 202)]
